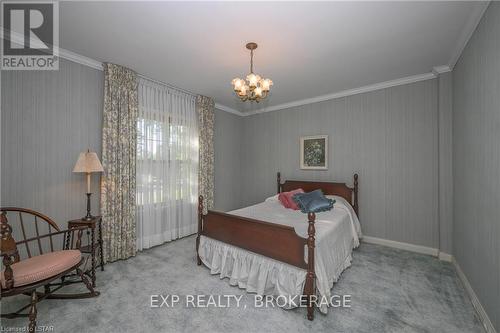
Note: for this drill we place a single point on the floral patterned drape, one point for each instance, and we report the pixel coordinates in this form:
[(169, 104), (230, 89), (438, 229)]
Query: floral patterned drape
[(119, 145), (206, 117)]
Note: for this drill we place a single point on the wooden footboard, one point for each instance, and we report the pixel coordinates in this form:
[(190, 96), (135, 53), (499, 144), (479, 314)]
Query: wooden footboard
[(272, 240)]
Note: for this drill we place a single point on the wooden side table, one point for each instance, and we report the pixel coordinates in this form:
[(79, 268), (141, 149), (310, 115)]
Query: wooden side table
[(93, 246)]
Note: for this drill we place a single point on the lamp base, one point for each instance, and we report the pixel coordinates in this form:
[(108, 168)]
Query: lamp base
[(89, 216)]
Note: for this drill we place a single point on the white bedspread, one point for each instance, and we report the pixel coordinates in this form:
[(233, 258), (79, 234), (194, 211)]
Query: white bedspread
[(337, 232)]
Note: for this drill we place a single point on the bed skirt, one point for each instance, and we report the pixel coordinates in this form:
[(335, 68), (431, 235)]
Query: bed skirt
[(265, 276)]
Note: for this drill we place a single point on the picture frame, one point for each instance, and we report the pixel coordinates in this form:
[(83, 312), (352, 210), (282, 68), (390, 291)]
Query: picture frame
[(314, 152)]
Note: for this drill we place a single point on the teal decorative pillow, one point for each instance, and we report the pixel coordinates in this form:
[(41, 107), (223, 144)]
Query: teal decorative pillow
[(313, 202)]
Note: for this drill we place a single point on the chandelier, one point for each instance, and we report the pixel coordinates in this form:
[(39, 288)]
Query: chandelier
[(254, 88)]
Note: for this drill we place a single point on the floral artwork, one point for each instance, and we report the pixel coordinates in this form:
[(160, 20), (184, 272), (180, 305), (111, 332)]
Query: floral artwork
[(314, 152)]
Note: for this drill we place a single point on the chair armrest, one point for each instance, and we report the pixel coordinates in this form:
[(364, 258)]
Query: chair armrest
[(8, 250)]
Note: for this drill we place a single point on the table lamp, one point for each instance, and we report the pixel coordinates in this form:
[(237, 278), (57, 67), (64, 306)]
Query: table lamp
[(88, 162)]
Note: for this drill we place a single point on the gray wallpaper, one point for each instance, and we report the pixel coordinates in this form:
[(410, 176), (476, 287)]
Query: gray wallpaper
[(476, 162), (228, 157), (48, 118), (389, 137)]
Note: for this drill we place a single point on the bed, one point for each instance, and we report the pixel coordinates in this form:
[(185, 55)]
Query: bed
[(270, 250)]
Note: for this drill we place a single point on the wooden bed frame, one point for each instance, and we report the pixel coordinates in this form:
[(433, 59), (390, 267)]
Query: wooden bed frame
[(276, 241)]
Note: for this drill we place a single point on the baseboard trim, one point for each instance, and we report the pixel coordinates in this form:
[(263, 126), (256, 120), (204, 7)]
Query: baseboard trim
[(445, 257), (483, 316), (410, 247), (402, 246)]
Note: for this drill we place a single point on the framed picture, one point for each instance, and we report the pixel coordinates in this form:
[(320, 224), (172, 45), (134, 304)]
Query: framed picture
[(314, 152)]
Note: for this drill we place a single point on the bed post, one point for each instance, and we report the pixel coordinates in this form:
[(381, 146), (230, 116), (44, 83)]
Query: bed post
[(356, 194), (200, 228), (310, 288), (278, 182)]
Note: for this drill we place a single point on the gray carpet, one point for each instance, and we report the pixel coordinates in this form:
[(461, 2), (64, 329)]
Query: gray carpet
[(392, 291)]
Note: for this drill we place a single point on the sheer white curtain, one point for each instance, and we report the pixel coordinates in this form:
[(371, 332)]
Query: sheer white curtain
[(167, 164)]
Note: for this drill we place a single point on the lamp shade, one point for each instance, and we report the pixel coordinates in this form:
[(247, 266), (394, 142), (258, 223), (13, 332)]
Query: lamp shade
[(88, 162)]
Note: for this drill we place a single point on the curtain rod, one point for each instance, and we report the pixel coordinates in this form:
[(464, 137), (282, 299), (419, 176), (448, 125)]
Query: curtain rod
[(166, 84)]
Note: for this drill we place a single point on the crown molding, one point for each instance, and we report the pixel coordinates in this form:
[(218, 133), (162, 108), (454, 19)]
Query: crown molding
[(345, 93), (92, 63), (468, 31), (440, 70), (228, 109), (75, 57)]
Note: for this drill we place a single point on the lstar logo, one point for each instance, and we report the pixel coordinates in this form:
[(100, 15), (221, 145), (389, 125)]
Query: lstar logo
[(30, 35)]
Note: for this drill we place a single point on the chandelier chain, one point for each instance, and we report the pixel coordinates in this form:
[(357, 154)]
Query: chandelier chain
[(251, 61)]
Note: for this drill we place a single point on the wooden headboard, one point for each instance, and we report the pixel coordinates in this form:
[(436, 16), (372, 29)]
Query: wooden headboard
[(328, 188)]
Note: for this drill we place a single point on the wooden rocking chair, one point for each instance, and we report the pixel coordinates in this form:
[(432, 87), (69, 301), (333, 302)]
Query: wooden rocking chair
[(43, 265)]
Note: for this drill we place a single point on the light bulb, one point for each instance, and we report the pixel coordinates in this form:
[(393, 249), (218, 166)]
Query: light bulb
[(253, 79), (266, 84), (258, 92), (237, 84), (243, 90)]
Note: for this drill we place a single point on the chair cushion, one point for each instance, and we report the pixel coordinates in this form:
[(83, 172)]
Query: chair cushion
[(42, 267)]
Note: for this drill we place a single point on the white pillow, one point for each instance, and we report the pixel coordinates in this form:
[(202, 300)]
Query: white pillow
[(273, 198), (339, 200)]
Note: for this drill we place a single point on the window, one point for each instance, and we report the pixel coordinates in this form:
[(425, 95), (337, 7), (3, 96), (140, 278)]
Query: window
[(167, 164), (156, 149)]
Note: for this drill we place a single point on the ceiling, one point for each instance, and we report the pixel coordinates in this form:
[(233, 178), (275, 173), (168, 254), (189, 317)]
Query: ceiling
[(307, 49)]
